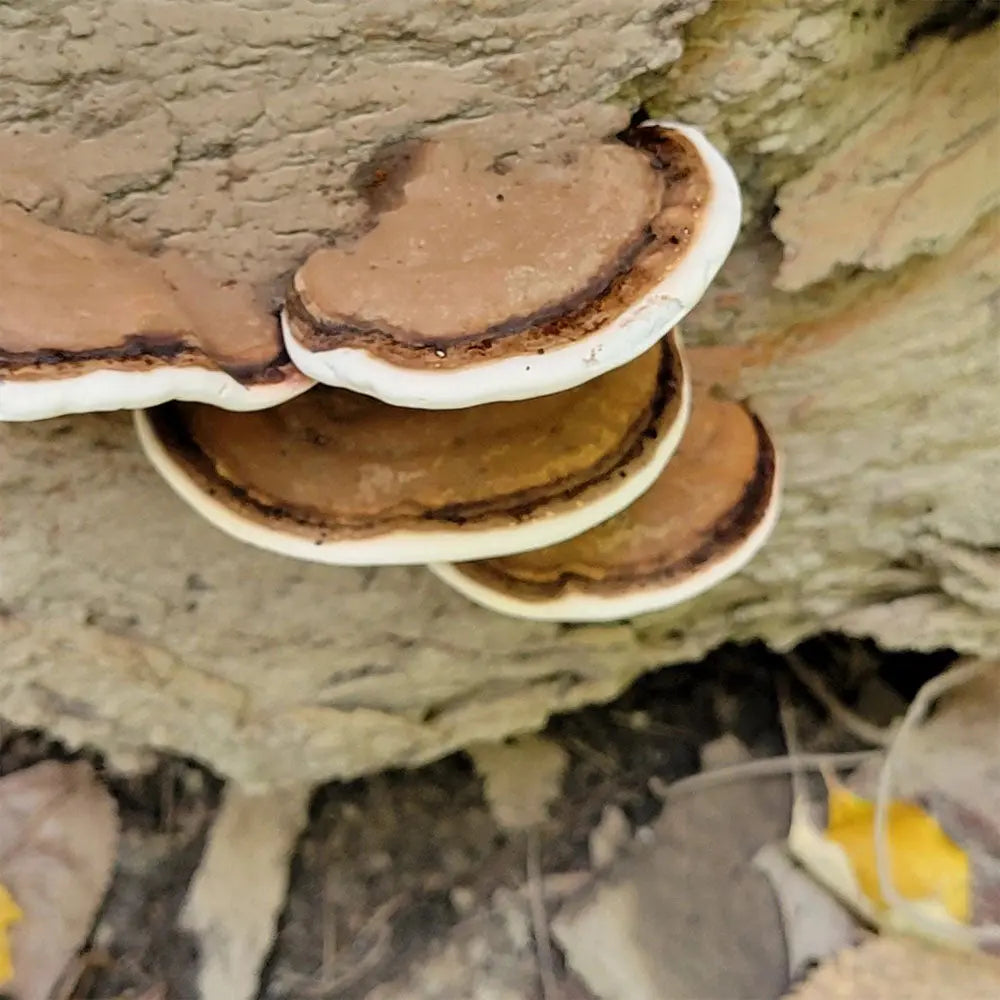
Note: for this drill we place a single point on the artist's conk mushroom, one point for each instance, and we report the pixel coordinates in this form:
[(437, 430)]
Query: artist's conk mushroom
[(709, 512), (485, 281), (89, 325), (338, 477)]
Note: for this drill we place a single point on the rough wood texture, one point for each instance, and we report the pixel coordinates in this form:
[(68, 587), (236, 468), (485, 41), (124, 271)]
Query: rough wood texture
[(231, 130), (126, 621)]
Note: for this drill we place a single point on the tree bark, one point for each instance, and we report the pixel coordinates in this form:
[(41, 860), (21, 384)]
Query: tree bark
[(866, 332)]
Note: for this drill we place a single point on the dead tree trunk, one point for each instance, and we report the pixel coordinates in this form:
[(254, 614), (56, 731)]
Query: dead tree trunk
[(862, 320)]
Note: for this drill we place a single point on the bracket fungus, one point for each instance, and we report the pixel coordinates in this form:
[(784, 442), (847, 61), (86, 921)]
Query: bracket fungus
[(708, 513), (484, 281), (505, 386), (89, 325), (339, 477)]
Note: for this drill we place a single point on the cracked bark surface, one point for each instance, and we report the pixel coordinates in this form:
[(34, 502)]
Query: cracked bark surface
[(231, 131)]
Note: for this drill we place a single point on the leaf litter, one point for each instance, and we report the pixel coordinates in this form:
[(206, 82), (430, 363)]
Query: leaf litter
[(59, 832)]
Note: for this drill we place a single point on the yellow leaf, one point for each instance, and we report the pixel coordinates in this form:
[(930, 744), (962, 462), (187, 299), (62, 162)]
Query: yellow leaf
[(926, 865), (10, 913)]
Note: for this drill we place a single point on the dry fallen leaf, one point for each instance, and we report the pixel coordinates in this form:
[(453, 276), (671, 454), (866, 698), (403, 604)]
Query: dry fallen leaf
[(950, 760), (10, 913), (58, 841), (815, 923), (685, 913), (609, 838), (916, 877), (521, 778), (886, 967), (155, 992), (925, 863), (931, 873)]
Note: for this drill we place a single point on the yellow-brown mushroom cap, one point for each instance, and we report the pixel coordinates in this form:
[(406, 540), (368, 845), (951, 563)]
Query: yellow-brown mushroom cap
[(334, 476), (710, 509)]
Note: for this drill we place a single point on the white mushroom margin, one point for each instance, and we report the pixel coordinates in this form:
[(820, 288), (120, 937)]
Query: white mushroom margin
[(446, 543), (574, 606), (106, 390), (635, 331)]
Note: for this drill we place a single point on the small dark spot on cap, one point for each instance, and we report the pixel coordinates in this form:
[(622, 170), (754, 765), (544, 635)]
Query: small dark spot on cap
[(640, 115), (499, 197), (503, 164)]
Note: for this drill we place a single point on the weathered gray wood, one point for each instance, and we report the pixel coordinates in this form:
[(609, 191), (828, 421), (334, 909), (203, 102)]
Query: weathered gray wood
[(128, 622)]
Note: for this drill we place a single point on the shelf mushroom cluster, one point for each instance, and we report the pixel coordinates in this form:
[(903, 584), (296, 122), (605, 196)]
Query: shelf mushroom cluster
[(87, 325), (502, 393)]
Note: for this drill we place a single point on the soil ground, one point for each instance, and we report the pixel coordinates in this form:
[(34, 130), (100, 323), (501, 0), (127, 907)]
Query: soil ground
[(395, 870)]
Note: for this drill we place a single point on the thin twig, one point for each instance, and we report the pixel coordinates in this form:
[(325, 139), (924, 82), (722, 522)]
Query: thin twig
[(328, 931), (786, 716), (855, 724), (378, 925), (767, 767), (955, 677), (600, 761), (539, 919)]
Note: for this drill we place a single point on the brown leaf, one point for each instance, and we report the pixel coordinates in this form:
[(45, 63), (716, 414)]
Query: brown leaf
[(889, 968), (58, 841)]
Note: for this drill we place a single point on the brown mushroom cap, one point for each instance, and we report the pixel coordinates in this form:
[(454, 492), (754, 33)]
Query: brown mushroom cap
[(507, 248), (708, 512), (87, 324), (478, 277), (337, 477)]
